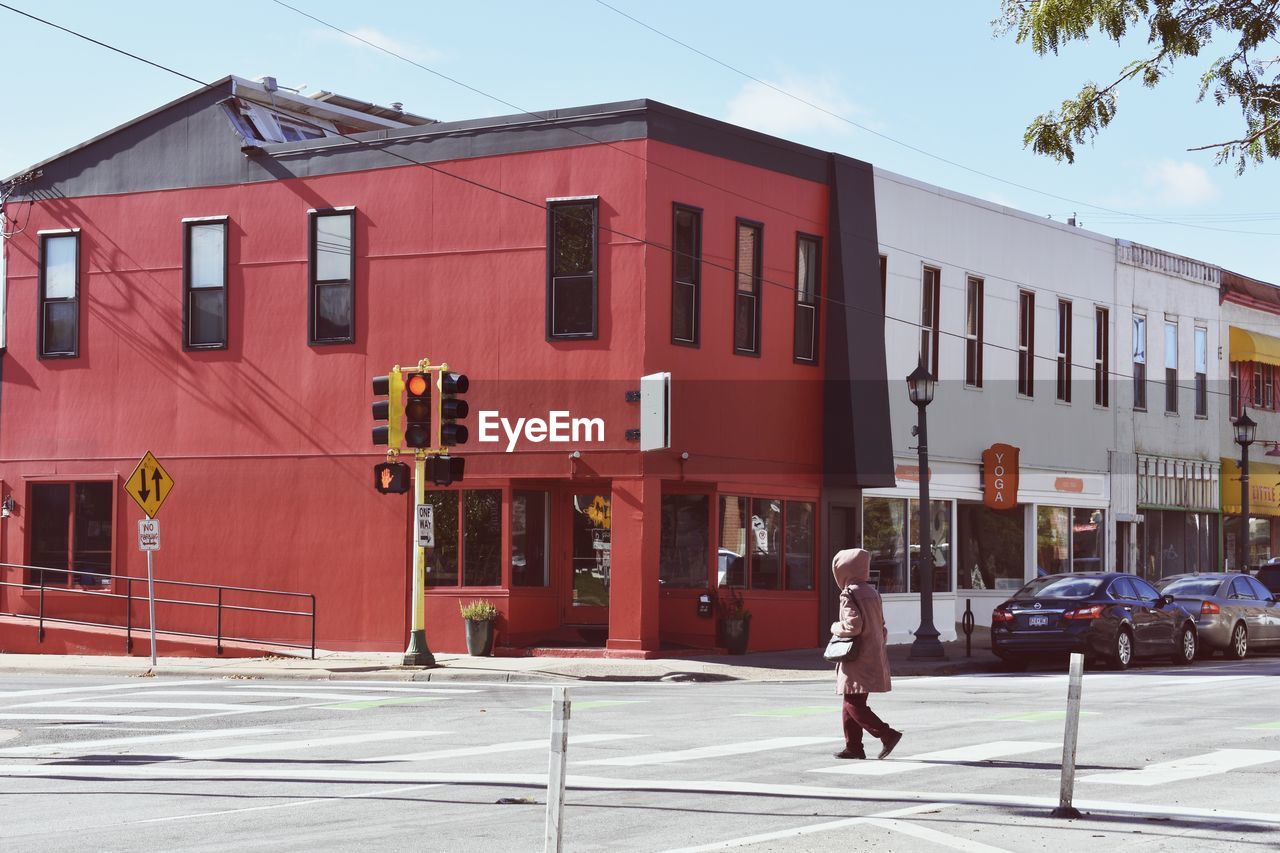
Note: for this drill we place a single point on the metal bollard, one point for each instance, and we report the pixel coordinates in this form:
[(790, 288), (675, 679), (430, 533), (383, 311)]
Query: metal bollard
[(556, 771), (1065, 809), (966, 622)]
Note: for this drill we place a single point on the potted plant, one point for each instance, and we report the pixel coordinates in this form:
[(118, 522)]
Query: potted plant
[(479, 616), (735, 621)]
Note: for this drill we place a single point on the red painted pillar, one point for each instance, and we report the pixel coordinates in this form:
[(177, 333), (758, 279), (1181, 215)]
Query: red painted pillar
[(633, 583)]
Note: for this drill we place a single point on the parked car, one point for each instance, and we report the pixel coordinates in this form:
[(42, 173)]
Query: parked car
[(1235, 611), (1269, 576), (1112, 616)]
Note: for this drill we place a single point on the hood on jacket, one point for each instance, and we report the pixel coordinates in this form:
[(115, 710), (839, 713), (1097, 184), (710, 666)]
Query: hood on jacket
[(852, 565)]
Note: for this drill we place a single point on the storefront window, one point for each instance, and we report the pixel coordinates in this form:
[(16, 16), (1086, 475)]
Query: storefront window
[(732, 557), (884, 522), (1087, 534), (442, 561), (1259, 541), (800, 545), (990, 547), (940, 540), (530, 522), (1053, 540), (682, 561), (1172, 542), (766, 543), (481, 529)]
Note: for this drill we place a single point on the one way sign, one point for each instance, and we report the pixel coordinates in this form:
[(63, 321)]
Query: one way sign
[(149, 485)]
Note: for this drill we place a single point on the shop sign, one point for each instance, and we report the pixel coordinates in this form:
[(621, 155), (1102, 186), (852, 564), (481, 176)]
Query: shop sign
[(1000, 476)]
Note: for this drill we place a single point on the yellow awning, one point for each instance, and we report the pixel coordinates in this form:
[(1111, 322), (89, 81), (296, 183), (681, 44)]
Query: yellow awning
[(1264, 487), (1251, 346)]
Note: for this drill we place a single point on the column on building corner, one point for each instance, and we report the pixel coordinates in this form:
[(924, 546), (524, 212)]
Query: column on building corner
[(633, 584)]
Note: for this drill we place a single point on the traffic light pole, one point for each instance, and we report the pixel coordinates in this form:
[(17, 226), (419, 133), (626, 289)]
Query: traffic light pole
[(418, 654)]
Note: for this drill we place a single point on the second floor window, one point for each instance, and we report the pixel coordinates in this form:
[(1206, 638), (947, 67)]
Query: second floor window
[(1171, 368), (332, 290), (746, 299), (973, 332), (1064, 351), (572, 275), (1139, 362), (1026, 343), (686, 274), (204, 284), (1101, 357), (808, 276), (59, 329), (1202, 372), (930, 296)]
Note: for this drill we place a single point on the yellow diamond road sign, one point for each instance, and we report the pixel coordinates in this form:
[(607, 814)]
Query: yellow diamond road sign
[(149, 485)]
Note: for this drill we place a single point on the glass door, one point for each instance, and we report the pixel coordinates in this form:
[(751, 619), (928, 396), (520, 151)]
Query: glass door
[(592, 523)]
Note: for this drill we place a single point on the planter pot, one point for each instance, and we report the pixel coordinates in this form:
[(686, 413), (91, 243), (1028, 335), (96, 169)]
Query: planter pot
[(479, 637), (736, 633)]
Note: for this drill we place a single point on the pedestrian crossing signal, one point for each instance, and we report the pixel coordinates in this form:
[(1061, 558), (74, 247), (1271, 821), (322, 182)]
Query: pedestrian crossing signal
[(391, 478), (444, 470)]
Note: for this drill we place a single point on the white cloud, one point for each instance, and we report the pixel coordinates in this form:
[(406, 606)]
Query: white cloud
[(374, 38), (1179, 184), (759, 107)]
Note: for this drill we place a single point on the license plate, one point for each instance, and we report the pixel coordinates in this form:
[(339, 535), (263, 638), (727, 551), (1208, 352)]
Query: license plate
[(1038, 621)]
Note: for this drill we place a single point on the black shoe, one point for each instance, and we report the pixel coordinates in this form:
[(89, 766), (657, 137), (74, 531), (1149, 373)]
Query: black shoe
[(851, 753), (890, 741)]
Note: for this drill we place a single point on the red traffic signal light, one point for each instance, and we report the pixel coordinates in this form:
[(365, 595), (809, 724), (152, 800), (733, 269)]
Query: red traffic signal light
[(391, 478), (417, 410)]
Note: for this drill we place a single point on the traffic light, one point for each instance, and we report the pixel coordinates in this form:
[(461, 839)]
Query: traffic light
[(417, 410), (391, 478), (390, 386), (452, 409), (443, 470)]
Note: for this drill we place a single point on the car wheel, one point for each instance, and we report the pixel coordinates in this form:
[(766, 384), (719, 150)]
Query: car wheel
[(1239, 645), (1185, 652), (1122, 650)]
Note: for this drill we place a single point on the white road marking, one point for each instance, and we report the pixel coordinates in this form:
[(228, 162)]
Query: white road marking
[(97, 688), (144, 705), (76, 746), (496, 748), (977, 752), (267, 748), (1192, 767), (697, 753), (805, 830), (99, 718), (253, 694), (363, 794), (941, 838), (355, 688)]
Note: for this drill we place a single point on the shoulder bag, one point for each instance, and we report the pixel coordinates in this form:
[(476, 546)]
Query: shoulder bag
[(842, 648)]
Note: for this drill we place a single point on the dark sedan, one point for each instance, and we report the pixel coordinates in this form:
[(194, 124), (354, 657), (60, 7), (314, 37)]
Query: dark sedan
[(1110, 616), (1234, 611)]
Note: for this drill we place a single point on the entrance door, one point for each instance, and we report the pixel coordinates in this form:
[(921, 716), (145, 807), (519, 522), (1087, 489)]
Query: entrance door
[(842, 533), (591, 525)]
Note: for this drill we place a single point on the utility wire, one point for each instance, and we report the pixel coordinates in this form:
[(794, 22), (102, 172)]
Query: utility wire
[(541, 207)]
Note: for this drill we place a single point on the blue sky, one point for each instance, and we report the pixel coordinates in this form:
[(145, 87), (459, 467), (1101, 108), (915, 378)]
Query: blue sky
[(934, 78)]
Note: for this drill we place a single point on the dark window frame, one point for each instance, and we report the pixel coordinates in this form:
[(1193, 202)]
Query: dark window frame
[(1139, 367), (554, 204), (930, 317), (1065, 333), (1101, 356), (314, 282), (68, 572), (187, 226), (45, 237), (460, 532), (749, 558), (696, 284), (1026, 343), (1171, 373), (757, 281), (1202, 378), (814, 305), (974, 318)]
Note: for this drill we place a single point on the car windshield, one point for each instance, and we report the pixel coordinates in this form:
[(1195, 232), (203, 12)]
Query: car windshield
[(1060, 588), (1192, 586)]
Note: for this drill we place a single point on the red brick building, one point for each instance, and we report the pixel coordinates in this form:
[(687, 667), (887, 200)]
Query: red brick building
[(217, 281)]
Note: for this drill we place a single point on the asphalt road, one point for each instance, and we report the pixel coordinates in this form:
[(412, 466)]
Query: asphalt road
[(1169, 758)]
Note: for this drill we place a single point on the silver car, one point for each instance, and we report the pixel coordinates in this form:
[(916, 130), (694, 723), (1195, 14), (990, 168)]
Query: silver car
[(1233, 611)]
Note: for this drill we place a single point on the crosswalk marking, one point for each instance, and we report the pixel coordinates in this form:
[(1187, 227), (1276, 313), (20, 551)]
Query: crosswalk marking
[(97, 718), (741, 748), (250, 693), (351, 687), (108, 743), (977, 752), (1192, 767), (494, 749), (146, 704), (266, 748)]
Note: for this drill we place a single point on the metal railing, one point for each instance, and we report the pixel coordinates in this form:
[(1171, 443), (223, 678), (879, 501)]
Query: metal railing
[(128, 597)]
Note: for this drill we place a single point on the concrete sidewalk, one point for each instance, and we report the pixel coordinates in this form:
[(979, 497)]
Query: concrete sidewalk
[(795, 665)]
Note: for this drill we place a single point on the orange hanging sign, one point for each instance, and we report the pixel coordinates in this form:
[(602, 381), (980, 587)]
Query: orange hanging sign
[(1000, 476)]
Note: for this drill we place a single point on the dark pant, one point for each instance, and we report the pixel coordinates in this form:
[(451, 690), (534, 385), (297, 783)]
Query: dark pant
[(856, 716)]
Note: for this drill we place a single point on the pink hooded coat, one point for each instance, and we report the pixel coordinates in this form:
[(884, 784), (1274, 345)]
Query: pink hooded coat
[(861, 616)]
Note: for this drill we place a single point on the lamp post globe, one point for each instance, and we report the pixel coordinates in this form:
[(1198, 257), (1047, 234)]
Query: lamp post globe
[(920, 387)]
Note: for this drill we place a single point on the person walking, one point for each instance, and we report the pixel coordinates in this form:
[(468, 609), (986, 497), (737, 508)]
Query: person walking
[(861, 616)]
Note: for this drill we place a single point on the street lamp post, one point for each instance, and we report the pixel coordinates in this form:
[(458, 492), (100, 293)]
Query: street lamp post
[(920, 385), (1246, 429)]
